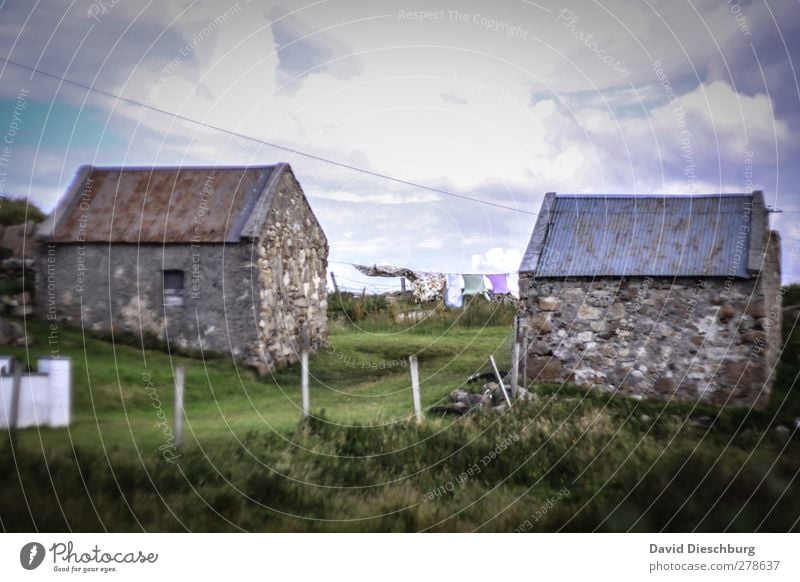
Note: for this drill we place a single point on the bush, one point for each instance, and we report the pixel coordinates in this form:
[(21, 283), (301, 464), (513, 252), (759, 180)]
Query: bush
[(479, 312), (379, 313), (17, 211), (352, 308), (13, 286)]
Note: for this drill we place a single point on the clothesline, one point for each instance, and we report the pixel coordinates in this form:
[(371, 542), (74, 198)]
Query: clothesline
[(390, 271), (425, 271), (452, 287)]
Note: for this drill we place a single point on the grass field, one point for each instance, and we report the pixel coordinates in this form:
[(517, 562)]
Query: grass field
[(571, 460), (362, 377)]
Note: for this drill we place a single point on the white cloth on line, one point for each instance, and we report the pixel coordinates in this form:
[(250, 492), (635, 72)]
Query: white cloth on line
[(455, 290)]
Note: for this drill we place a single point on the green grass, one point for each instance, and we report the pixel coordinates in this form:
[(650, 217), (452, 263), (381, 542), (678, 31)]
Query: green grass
[(362, 377), (361, 464)]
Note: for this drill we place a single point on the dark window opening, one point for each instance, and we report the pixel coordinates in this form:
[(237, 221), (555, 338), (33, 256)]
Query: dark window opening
[(173, 288)]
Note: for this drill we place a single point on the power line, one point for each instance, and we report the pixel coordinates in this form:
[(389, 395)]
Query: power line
[(260, 141)]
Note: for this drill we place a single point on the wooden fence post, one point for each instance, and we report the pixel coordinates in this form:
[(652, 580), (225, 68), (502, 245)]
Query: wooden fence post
[(412, 360), (304, 383), (403, 284), (514, 370), (525, 360), (515, 359), (500, 380), (180, 378)]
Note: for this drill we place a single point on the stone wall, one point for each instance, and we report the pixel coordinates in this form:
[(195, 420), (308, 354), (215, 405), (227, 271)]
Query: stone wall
[(120, 287), (292, 260), (13, 238), (17, 266), (771, 293), (715, 340)]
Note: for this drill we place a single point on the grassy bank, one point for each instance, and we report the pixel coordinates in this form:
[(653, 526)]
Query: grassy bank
[(571, 460)]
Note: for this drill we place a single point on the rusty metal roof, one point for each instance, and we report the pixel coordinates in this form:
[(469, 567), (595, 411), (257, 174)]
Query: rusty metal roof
[(162, 204), (616, 235)]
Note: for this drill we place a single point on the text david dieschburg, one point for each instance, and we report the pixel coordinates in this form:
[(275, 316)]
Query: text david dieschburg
[(690, 548)]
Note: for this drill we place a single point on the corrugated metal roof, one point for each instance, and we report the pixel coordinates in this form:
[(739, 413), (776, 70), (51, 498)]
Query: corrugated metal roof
[(605, 235), (161, 205)]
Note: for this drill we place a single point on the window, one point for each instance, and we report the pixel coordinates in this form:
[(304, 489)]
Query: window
[(173, 288)]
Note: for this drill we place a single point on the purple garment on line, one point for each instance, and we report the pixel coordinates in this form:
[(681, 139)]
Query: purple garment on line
[(499, 284)]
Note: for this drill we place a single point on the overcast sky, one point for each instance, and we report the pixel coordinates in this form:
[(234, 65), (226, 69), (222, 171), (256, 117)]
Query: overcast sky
[(497, 102)]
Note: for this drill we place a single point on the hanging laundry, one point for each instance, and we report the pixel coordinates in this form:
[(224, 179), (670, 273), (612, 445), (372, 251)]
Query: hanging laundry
[(487, 284), (455, 290), (387, 271), (428, 286), (474, 285), (513, 285), (499, 284)]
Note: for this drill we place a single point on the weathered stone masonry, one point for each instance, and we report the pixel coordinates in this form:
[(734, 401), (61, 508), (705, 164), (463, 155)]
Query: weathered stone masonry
[(292, 260), (119, 287), (712, 339)]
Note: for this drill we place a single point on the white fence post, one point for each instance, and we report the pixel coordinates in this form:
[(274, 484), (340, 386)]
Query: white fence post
[(412, 360), (16, 392), (304, 383), (41, 398), (59, 371), (180, 377)]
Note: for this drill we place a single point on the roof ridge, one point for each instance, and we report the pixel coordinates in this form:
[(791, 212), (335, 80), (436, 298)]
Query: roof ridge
[(665, 196), (174, 168)]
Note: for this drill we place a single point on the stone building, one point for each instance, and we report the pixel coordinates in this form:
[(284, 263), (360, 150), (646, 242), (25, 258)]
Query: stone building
[(226, 259), (659, 296)]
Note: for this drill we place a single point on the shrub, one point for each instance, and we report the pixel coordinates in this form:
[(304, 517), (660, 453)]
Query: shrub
[(17, 211), (349, 307)]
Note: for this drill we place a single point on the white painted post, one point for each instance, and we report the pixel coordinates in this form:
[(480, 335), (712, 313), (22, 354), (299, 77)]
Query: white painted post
[(16, 390), (412, 360), (514, 370), (500, 380), (59, 371), (304, 383), (180, 376)]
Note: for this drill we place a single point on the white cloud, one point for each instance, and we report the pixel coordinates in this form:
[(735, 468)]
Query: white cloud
[(446, 103), (497, 260), (565, 164)]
